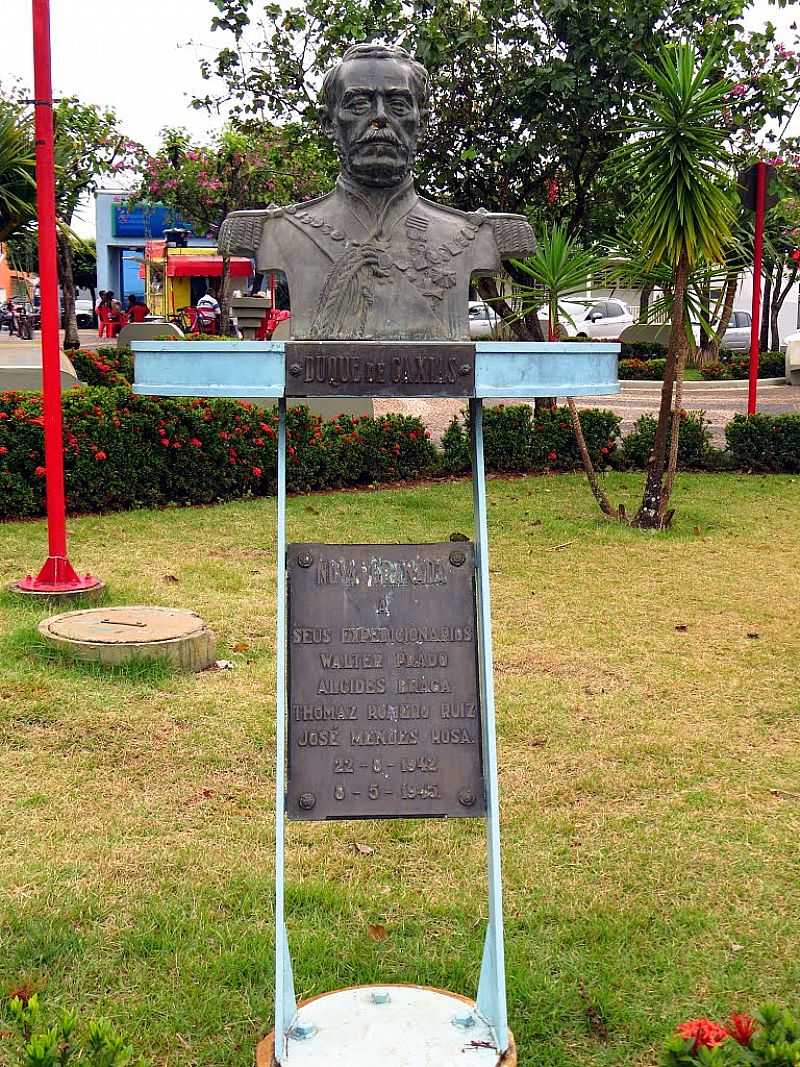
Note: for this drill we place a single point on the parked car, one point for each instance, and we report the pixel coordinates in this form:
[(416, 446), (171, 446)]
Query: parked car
[(483, 320), (737, 335), (602, 320), (84, 313)]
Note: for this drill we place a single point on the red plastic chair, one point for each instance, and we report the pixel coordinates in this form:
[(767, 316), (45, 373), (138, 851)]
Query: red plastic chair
[(104, 324), (269, 322), (206, 320)]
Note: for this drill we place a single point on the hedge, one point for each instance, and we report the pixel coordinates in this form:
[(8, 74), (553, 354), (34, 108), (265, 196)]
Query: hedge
[(734, 366), (694, 441), (124, 451), (649, 370), (516, 439), (769, 443)]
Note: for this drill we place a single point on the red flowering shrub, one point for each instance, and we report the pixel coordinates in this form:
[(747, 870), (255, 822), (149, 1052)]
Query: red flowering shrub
[(741, 1028), (123, 451), (771, 1039), (704, 1033), (104, 366)]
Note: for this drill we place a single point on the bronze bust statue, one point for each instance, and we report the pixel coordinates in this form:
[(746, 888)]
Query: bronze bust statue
[(373, 260)]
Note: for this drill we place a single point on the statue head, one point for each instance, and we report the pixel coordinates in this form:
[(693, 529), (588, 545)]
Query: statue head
[(374, 104)]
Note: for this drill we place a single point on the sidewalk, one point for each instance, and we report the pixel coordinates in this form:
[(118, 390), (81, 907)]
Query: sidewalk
[(89, 339)]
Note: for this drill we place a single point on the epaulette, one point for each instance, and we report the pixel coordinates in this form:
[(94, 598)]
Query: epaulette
[(512, 234), (240, 233)]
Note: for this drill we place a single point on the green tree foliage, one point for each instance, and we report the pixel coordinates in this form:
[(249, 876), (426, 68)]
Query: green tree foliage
[(683, 214), (89, 146), (17, 184)]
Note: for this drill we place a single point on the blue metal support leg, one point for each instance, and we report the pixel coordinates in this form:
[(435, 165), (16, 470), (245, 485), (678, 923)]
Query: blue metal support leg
[(285, 1001), (491, 998)]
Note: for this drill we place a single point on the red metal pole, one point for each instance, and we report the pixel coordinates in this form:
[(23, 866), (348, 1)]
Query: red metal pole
[(758, 256), (57, 576)]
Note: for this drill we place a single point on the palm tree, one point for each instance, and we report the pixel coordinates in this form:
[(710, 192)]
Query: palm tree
[(17, 180), (683, 215), (560, 268)]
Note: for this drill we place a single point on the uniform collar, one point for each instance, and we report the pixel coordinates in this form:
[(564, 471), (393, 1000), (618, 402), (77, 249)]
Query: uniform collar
[(378, 210)]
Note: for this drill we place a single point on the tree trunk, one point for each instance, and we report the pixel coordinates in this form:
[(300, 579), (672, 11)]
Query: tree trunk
[(763, 337), (591, 475), (775, 307), (67, 279), (652, 511), (710, 354), (778, 298), (644, 299), (225, 327)]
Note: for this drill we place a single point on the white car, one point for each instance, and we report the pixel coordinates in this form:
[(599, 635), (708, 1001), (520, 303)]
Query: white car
[(84, 313), (483, 320), (603, 320), (737, 335)]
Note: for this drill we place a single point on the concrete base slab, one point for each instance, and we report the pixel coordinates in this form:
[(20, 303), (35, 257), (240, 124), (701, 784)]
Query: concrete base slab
[(393, 1026), (119, 634), (86, 594)]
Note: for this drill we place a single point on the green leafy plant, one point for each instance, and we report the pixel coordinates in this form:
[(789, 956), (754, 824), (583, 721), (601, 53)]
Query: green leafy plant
[(770, 1038), (516, 439), (39, 1044), (682, 215), (694, 442), (768, 443), (124, 451)]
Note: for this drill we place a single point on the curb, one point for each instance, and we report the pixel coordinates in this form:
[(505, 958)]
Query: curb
[(731, 386)]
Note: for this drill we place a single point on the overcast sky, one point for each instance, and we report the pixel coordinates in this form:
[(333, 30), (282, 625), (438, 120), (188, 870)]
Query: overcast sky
[(142, 58)]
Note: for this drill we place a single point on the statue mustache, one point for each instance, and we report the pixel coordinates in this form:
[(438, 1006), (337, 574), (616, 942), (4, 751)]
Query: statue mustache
[(380, 135)]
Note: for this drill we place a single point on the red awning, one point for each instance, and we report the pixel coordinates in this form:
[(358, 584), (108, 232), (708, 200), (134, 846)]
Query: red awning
[(206, 267)]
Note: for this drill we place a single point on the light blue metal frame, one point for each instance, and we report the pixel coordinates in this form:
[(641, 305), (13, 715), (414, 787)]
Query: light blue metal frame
[(285, 1000), (249, 369), (491, 999), (256, 369)]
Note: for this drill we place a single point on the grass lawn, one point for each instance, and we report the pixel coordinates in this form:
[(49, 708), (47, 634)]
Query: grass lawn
[(650, 776)]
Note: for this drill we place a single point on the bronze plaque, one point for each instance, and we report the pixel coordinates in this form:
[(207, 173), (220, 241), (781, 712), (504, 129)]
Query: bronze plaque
[(380, 368), (384, 713)]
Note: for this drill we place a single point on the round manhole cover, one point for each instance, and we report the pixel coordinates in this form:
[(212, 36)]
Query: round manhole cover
[(114, 635)]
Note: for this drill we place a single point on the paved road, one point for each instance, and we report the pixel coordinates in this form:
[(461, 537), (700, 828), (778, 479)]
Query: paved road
[(89, 339), (720, 404)]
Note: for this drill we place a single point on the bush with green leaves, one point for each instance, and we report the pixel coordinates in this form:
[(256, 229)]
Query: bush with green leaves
[(770, 1038), (124, 451), (735, 366), (649, 370), (768, 443), (42, 1042), (693, 443), (517, 439), (102, 366)]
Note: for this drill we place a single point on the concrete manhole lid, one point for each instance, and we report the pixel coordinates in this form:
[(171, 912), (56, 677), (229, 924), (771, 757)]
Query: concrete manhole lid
[(124, 625), (116, 635)]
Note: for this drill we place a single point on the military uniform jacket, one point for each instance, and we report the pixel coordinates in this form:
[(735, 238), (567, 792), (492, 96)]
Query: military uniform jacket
[(376, 264)]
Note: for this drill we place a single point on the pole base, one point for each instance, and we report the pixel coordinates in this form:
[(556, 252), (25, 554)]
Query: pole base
[(390, 1025), (58, 580)]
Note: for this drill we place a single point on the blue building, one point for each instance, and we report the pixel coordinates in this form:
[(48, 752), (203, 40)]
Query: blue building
[(122, 233)]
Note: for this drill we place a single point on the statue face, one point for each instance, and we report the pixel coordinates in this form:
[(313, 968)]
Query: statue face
[(376, 121)]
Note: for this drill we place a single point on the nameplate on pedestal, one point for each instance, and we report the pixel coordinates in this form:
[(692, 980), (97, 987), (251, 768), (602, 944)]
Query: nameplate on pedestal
[(380, 368), (384, 709)]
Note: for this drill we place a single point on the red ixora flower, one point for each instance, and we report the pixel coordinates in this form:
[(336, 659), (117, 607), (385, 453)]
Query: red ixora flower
[(704, 1032), (741, 1028), (552, 456), (195, 442), (257, 472), (40, 472), (100, 455), (3, 450)]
